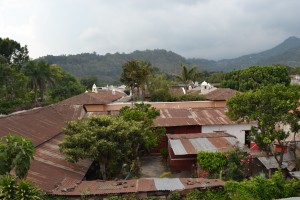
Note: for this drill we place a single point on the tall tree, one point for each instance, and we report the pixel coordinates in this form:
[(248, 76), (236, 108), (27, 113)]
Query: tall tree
[(40, 77), (271, 107), (188, 74), (135, 74), (15, 153), (12, 53)]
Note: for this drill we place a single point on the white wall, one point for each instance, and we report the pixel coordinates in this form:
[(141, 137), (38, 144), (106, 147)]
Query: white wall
[(237, 130)]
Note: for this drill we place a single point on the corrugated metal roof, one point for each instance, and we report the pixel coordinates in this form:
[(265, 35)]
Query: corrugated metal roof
[(295, 174), (169, 184), (220, 94), (271, 163), (192, 116), (102, 97), (178, 147), (71, 187), (186, 144), (203, 144), (49, 167)]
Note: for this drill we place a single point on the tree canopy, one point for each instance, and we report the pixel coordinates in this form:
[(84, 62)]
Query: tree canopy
[(270, 106), (188, 74), (254, 77), (15, 153)]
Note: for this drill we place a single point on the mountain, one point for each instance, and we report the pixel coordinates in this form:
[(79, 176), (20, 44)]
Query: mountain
[(286, 53), (109, 67)]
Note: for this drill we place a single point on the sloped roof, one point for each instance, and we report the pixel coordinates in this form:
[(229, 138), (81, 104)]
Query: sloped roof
[(73, 188), (271, 163), (220, 94), (102, 97), (192, 116), (49, 167), (191, 144)]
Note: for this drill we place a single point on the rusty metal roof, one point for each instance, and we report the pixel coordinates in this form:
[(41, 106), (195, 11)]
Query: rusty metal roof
[(186, 144), (220, 94), (192, 116), (49, 167), (92, 188), (102, 97)]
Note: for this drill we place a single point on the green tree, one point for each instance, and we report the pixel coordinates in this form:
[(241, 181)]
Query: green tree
[(271, 107), (12, 53), (15, 153), (254, 77), (188, 74), (10, 188), (88, 82), (135, 74), (261, 188), (40, 77), (66, 85), (107, 140)]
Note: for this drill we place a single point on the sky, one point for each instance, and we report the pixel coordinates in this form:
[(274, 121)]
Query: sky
[(210, 29)]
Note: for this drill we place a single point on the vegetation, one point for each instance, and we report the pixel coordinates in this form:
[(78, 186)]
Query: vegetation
[(112, 141), (15, 153), (261, 188), (254, 77), (187, 75), (24, 82), (10, 188), (271, 107)]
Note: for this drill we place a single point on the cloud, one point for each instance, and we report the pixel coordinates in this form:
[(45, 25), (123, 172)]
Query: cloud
[(211, 29)]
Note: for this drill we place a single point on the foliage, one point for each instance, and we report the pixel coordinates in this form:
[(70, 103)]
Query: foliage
[(15, 153), (11, 189), (238, 166), (262, 188), (109, 140), (66, 85), (212, 162), (135, 74), (144, 114), (40, 77), (255, 77), (269, 106), (188, 74), (12, 53), (187, 97), (88, 81), (193, 194), (174, 195), (164, 153)]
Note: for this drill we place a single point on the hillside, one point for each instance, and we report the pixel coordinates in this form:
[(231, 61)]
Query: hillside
[(108, 67)]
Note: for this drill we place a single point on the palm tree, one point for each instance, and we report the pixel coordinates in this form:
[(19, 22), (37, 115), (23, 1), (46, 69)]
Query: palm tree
[(188, 74), (40, 77)]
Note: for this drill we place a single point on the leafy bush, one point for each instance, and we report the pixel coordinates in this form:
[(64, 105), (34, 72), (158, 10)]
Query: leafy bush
[(174, 196), (212, 162)]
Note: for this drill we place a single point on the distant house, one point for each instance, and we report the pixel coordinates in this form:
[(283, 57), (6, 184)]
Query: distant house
[(183, 148)]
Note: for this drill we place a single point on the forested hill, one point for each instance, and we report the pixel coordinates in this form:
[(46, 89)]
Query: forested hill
[(108, 67)]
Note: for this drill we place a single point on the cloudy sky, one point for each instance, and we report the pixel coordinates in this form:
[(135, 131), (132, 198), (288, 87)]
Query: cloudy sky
[(212, 29)]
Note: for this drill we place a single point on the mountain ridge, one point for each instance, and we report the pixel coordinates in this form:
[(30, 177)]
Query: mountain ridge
[(108, 67)]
